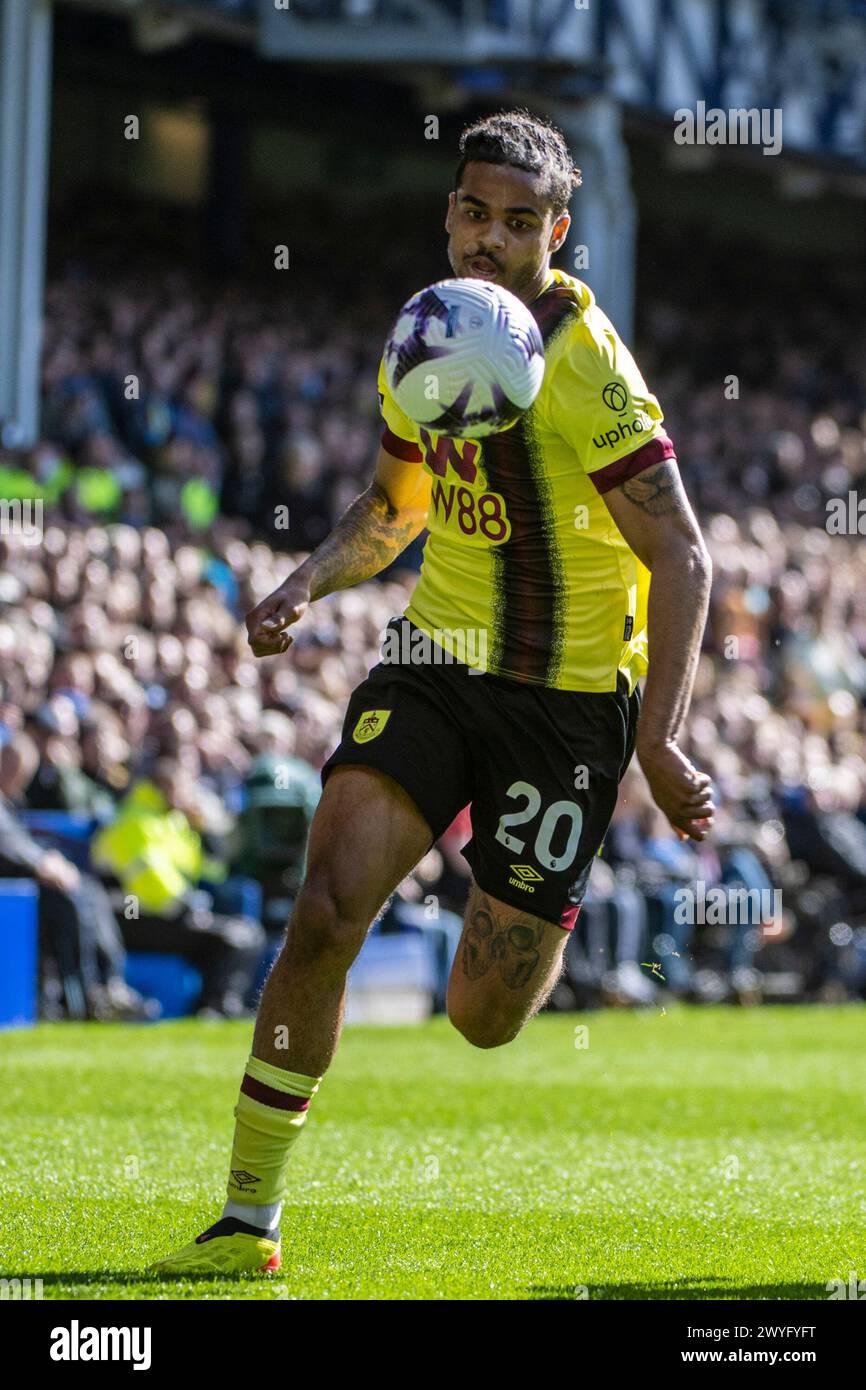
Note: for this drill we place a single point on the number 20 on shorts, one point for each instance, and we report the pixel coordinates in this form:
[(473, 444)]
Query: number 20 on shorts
[(556, 811)]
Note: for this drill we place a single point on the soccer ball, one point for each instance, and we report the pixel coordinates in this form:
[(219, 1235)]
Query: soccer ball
[(465, 358)]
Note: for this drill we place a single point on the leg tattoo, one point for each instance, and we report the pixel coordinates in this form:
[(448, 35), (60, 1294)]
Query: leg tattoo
[(510, 947)]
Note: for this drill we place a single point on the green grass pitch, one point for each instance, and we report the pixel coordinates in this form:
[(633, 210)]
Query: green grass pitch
[(710, 1153)]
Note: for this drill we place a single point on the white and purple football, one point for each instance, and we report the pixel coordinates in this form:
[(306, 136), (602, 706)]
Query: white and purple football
[(465, 358)]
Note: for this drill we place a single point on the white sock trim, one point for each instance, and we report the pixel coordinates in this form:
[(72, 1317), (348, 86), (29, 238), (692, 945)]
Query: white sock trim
[(265, 1216)]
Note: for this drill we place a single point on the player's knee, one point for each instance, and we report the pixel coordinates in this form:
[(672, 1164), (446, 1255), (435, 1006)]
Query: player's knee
[(326, 925), (483, 1030)]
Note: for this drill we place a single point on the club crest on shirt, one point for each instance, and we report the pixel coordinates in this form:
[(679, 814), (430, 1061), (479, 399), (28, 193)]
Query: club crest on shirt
[(370, 724)]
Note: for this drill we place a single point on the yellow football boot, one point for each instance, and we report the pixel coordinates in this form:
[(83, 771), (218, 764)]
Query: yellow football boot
[(228, 1247)]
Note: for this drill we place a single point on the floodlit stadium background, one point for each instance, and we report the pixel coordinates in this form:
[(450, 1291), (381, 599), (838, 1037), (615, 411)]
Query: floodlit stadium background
[(193, 418)]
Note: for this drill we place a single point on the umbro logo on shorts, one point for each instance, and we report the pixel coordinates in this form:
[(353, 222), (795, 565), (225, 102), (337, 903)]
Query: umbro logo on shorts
[(526, 875)]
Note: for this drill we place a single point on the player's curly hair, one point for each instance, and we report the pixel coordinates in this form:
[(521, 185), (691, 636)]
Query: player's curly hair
[(528, 142)]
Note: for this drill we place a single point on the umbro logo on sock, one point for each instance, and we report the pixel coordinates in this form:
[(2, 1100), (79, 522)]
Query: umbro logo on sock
[(243, 1179)]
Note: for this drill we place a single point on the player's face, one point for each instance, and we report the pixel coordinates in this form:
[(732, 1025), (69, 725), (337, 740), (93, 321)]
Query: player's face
[(500, 229)]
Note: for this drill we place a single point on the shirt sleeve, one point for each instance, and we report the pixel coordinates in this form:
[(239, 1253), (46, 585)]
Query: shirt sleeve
[(400, 437), (603, 408)]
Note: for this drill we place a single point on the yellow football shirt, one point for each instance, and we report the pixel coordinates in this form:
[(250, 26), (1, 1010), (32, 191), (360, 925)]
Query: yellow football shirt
[(525, 573)]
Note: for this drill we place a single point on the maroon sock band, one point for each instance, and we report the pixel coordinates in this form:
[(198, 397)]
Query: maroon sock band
[(268, 1095)]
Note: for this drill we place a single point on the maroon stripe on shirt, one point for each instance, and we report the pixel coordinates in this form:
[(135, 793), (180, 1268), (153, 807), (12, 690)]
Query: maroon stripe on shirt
[(654, 451), (527, 597), (268, 1095), (400, 448)]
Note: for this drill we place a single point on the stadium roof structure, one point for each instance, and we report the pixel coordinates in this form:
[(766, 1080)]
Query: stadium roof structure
[(806, 58)]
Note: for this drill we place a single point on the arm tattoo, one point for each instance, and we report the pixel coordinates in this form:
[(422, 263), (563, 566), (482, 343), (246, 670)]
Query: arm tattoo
[(368, 536), (512, 949), (655, 491)]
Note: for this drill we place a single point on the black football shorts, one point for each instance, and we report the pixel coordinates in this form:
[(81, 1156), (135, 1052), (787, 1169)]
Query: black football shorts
[(540, 767)]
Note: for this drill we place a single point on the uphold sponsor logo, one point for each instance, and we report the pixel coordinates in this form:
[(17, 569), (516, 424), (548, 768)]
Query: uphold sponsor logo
[(526, 875), (615, 396), (624, 430), (444, 646), (77, 1343)]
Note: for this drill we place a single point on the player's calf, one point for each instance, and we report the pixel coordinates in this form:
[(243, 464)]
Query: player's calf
[(328, 926)]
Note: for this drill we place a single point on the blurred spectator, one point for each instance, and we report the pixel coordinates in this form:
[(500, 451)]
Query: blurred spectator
[(156, 854), (270, 841), (77, 929)]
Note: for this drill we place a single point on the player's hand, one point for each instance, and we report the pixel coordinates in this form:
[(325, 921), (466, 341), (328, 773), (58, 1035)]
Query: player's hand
[(678, 789), (267, 623)]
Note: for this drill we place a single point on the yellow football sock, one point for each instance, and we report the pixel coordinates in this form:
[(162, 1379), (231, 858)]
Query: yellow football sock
[(269, 1116)]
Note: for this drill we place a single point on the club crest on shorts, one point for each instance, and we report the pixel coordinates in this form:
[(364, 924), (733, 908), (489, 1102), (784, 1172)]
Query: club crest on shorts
[(370, 724)]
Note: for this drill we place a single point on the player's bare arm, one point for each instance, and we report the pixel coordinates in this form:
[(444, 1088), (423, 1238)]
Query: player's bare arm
[(372, 532), (654, 515)]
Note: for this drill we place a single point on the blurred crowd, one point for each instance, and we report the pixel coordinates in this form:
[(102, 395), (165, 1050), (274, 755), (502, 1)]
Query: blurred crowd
[(175, 404), (196, 442)]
